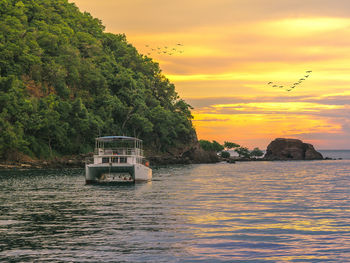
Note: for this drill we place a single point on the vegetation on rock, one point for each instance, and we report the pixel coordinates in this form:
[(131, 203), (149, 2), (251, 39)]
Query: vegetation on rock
[(256, 152), (243, 152), (213, 146), (225, 154)]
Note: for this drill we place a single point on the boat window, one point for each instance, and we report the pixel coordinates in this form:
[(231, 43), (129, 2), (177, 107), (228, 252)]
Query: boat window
[(123, 159), (114, 159), (105, 160)]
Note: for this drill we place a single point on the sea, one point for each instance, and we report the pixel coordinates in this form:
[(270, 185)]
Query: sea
[(291, 211)]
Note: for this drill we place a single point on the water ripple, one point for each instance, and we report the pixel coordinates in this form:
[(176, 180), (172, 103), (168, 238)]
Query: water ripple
[(245, 212)]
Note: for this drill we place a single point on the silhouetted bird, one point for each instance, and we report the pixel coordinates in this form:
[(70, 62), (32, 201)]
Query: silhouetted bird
[(295, 83)]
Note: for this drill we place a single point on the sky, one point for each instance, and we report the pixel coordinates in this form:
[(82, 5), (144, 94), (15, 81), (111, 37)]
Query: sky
[(231, 49)]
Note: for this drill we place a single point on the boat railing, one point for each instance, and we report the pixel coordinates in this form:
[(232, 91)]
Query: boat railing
[(119, 151), (119, 159)]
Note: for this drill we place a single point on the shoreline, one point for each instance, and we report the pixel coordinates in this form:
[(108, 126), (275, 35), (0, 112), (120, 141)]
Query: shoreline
[(156, 161)]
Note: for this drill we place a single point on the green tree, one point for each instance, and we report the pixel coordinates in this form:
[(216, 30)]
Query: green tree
[(243, 152), (211, 146), (256, 152), (225, 154), (217, 146), (206, 145), (230, 145)]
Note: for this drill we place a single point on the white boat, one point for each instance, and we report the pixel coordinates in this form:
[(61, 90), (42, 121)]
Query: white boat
[(117, 159)]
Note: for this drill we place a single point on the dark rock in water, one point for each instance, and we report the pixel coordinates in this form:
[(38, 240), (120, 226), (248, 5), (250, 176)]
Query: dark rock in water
[(291, 149)]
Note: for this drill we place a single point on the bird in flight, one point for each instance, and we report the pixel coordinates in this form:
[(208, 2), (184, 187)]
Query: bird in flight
[(290, 88), (164, 50)]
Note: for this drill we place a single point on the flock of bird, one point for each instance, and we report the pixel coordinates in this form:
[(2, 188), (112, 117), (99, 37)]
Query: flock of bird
[(290, 88), (165, 50)]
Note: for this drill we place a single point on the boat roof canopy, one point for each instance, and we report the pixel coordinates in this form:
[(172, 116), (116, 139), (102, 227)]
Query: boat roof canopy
[(116, 138)]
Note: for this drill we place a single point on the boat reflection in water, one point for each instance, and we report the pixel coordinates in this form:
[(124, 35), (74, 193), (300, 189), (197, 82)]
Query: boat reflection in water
[(117, 159)]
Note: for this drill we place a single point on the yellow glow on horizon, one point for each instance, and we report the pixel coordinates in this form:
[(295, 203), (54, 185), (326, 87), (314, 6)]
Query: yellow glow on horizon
[(280, 106), (263, 128)]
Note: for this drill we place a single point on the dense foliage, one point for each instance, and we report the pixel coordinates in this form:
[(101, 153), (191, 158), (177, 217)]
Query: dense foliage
[(213, 146), (225, 154), (230, 145), (245, 153), (63, 81), (256, 152)]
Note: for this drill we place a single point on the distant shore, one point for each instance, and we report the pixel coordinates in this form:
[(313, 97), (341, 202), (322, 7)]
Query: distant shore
[(78, 161)]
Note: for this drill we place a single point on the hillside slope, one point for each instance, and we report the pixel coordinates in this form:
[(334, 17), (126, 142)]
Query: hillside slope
[(64, 81)]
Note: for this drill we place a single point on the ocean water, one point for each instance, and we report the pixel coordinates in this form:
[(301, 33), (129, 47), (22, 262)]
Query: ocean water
[(244, 212), (336, 154)]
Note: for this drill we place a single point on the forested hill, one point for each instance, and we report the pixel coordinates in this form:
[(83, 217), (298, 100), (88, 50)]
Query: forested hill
[(64, 81)]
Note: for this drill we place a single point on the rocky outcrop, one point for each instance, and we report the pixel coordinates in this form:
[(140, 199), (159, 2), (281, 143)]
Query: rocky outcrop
[(188, 155), (291, 149)]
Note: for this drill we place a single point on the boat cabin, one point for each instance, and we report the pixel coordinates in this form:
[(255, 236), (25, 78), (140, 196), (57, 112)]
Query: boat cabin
[(116, 150)]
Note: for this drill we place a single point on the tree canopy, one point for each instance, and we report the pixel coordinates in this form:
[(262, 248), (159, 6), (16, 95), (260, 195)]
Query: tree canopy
[(230, 145), (256, 152), (213, 146), (64, 81)]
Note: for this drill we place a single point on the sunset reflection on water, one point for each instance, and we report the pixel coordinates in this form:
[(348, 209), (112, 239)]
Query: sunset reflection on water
[(281, 211), (243, 212)]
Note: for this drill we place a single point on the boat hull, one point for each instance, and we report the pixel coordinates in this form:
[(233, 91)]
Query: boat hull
[(109, 173)]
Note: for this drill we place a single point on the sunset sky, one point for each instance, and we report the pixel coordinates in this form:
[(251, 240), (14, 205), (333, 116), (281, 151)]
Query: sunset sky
[(233, 48)]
